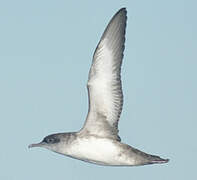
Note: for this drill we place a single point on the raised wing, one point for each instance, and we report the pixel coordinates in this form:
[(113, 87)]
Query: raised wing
[(104, 83)]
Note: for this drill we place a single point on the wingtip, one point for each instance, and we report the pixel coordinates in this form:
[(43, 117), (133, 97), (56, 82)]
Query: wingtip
[(123, 9), (121, 13)]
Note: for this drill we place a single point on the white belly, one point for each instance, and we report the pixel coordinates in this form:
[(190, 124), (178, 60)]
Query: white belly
[(98, 150)]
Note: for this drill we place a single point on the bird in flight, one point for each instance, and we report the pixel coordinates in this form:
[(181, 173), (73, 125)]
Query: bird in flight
[(98, 141)]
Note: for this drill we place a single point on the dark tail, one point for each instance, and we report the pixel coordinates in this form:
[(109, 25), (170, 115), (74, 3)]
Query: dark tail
[(152, 159), (148, 158)]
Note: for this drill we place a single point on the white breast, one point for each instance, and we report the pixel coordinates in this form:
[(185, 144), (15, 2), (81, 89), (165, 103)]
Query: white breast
[(97, 150)]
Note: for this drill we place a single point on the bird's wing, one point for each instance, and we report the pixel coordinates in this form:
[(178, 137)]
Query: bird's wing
[(104, 83)]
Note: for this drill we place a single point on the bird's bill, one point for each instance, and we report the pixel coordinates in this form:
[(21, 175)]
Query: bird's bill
[(36, 145)]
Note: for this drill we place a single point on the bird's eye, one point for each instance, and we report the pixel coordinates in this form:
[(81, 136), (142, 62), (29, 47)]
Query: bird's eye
[(50, 140)]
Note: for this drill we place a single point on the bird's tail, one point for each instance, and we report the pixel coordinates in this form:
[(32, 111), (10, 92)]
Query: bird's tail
[(152, 159), (145, 158)]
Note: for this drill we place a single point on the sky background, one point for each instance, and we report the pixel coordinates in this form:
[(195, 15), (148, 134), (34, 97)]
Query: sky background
[(46, 49)]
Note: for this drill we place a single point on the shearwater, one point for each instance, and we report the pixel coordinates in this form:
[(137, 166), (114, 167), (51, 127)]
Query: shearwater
[(98, 141)]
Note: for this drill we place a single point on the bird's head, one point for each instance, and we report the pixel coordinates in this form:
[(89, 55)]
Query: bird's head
[(52, 142)]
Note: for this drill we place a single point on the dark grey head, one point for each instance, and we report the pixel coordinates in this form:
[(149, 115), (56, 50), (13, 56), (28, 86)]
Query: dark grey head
[(55, 142), (52, 139), (50, 142)]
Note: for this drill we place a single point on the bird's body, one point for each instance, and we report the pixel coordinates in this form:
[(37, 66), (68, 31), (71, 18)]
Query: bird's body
[(98, 141), (103, 151), (100, 150)]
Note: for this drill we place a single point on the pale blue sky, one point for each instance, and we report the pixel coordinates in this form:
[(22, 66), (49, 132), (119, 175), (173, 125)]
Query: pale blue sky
[(46, 49)]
